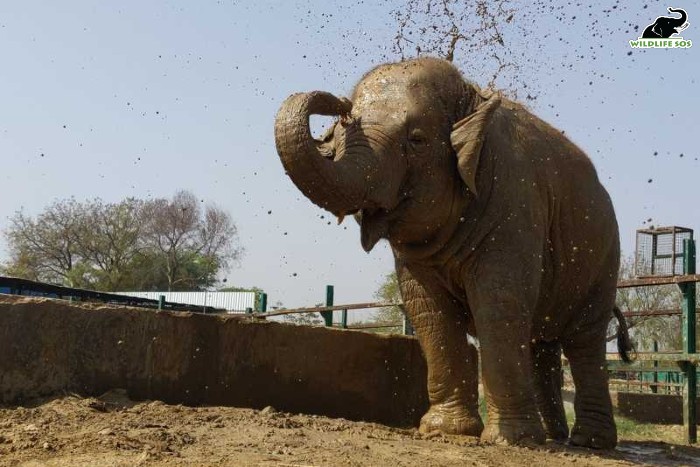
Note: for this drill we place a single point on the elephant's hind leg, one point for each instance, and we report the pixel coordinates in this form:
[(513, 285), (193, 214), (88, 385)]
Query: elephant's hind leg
[(546, 360), (441, 327), (595, 425)]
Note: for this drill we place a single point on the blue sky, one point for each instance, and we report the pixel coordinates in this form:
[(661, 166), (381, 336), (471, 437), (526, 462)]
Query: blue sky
[(116, 99)]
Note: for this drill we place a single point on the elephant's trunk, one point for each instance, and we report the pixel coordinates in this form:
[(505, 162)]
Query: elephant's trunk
[(339, 185), (679, 21)]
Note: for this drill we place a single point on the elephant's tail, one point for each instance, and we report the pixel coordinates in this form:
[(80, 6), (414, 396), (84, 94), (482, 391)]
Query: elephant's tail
[(624, 344)]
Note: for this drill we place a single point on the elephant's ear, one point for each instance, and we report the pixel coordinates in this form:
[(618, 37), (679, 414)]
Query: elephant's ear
[(467, 137)]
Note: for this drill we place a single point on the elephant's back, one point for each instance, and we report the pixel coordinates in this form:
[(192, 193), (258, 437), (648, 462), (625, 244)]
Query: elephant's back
[(581, 246)]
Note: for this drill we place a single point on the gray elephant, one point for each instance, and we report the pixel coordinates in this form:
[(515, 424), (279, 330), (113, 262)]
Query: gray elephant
[(500, 229)]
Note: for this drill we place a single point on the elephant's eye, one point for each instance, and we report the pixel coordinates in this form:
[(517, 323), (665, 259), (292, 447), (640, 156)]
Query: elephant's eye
[(417, 136)]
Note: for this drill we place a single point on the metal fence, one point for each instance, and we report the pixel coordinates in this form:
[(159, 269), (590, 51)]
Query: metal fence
[(17, 286), (673, 372), (237, 302), (326, 313)]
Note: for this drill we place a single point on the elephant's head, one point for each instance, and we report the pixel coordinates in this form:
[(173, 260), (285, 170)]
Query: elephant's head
[(401, 153), (666, 26)]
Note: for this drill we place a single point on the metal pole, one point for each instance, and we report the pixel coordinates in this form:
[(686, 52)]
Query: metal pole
[(328, 315), (688, 308), (655, 387), (407, 327)]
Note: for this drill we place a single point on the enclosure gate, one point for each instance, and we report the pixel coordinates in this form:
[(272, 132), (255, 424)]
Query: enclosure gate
[(688, 358)]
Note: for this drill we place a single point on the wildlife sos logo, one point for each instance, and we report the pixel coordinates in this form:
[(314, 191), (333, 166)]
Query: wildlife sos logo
[(663, 32)]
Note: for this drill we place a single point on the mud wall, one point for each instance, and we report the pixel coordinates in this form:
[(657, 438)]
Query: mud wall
[(644, 408), (49, 346), (650, 408)]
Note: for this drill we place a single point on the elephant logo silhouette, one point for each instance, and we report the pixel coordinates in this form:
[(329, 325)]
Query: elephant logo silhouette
[(664, 32), (665, 26)]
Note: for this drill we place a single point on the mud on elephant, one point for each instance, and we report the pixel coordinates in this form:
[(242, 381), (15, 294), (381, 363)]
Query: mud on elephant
[(500, 229)]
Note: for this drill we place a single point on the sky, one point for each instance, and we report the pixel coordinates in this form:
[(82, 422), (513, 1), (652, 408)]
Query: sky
[(141, 99)]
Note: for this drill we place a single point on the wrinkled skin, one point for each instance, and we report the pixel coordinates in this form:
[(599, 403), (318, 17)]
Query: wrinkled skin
[(500, 229)]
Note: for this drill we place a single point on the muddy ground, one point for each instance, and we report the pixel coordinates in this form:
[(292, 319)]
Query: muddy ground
[(112, 430)]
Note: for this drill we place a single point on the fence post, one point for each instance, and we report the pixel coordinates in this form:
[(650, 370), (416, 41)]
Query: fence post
[(655, 377), (690, 370), (407, 327), (328, 315), (263, 302), (344, 319), (161, 302)]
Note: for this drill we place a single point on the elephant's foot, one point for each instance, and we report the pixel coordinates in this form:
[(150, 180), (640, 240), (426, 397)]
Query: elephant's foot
[(524, 432), (557, 433), (451, 420), (593, 437), (556, 429)]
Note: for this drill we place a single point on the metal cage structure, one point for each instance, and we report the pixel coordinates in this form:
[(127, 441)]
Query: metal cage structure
[(659, 251)]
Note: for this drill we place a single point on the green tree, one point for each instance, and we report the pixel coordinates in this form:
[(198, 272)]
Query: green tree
[(388, 292), (108, 243), (162, 244)]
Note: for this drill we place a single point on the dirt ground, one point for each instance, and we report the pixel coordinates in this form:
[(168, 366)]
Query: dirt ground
[(112, 430)]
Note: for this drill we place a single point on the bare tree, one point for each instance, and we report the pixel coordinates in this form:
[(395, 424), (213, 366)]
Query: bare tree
[(46, 247), (193, 245)]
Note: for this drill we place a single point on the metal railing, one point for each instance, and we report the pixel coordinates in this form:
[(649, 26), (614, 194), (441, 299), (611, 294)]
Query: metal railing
[(686, 360), (326, 313)]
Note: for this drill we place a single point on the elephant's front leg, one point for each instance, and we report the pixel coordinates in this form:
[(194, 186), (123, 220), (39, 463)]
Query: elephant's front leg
[(502, 316), (441, 327)]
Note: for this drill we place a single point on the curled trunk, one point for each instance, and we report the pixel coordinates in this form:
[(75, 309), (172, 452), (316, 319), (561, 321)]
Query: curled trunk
[(679, 21), (339, 186)]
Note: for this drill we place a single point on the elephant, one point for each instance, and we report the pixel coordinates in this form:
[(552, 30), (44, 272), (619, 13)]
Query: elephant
[(500, 230), (664, 26)]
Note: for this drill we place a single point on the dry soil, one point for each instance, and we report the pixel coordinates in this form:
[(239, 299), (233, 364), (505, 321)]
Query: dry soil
[(113, 430)]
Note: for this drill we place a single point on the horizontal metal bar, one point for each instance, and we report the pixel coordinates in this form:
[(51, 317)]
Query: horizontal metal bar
[(661, 280), (667, 368), (632, 314), (623, 382), (376, 326), (692, 358), (317, 309)]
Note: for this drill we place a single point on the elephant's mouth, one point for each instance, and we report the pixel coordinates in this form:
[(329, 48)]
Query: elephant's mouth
[(375, 223)]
